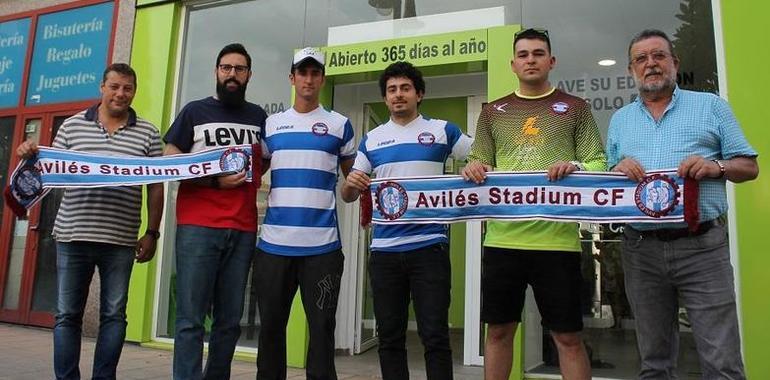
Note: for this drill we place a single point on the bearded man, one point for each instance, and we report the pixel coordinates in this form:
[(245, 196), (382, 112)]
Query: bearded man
[(216, 221)]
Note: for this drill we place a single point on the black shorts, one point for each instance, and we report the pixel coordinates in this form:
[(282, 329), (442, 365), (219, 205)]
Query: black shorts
[(555, 279)]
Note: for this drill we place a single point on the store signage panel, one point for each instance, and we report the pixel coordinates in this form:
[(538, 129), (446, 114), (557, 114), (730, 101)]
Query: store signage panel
[(438, 49), (14, 39), (70, 55)]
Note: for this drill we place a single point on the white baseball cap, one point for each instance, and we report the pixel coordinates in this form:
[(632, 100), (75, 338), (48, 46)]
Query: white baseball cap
[(307, 53)]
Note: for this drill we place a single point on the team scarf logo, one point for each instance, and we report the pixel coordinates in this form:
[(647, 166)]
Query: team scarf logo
[(52, 168), (514, 196)]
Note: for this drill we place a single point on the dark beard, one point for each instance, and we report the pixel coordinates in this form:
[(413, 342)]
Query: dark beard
[(231, 98)]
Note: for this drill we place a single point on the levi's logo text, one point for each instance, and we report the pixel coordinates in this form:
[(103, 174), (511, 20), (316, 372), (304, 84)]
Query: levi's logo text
[(229, 134)]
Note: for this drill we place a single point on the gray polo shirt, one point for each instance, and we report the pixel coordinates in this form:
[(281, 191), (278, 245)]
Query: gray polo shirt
[(106, 214)]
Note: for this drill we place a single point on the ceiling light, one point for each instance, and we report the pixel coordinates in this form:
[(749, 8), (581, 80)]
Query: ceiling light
[(606, 62)]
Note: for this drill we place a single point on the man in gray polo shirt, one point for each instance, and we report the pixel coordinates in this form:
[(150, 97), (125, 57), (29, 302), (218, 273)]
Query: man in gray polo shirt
[(98, 227)]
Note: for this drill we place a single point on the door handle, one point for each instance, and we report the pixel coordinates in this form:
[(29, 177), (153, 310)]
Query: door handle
[(34, 227)]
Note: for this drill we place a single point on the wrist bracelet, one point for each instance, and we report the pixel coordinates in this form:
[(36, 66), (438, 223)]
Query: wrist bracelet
[(722, 168)]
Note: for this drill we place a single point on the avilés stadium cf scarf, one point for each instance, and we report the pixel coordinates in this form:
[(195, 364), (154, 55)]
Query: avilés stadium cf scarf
[(599, 197), (51, 168)]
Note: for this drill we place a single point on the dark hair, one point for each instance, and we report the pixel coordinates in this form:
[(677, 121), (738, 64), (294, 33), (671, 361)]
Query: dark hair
[(234, 48), (405, 70), (120, 68), (532, 34), (649, 33)]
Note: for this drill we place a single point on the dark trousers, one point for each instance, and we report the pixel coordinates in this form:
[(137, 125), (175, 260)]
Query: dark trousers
[(423, 275), (318, 278)]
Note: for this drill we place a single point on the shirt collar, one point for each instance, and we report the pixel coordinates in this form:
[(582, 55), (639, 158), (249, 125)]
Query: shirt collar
[(416, 120), (671, 104), (92, 114)]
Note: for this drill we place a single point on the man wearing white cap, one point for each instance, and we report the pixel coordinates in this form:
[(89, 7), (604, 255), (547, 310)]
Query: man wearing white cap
[(299, 244)]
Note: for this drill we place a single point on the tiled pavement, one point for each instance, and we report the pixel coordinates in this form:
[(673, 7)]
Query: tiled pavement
[(26, 354)]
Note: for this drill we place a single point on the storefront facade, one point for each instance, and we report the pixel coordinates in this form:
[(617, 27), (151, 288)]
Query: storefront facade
[(51, 60), (464, 50)]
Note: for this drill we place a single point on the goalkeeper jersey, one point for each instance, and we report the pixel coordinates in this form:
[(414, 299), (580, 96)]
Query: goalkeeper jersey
[(518, 133)]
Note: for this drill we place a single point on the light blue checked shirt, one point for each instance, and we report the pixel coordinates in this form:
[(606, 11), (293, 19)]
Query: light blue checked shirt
[(694, 123)]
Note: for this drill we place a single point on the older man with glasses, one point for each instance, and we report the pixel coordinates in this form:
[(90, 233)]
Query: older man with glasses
[(668, 265)]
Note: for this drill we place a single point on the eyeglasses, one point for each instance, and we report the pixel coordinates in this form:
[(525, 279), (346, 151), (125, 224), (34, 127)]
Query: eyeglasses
[(239, 69), (657, 56), (530, 31)]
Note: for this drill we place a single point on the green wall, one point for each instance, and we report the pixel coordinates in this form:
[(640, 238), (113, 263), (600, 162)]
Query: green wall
[(747, 55), (153, 57)]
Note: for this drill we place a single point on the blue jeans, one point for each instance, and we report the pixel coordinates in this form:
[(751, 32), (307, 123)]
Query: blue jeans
[(695, 271), (75, 264), (423, 275), (212, 265)]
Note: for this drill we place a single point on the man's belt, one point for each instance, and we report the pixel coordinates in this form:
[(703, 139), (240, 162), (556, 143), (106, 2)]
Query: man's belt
[(51, 168), (670, 234), (601, 197)]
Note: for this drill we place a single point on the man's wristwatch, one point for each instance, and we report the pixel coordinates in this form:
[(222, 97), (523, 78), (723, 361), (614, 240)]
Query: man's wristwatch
[(579, 165), (154, 233), (722, 169)]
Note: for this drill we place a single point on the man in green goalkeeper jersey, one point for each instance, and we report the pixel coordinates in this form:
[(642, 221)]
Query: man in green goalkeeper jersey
[(537, 127)]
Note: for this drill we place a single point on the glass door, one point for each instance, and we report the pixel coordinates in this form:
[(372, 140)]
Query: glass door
[(10, 258), (367, 324), (29, 270), (42, 305)]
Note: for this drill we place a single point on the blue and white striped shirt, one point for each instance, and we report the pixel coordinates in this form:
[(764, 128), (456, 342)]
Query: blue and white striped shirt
[(694, 123), (416, 149), (305, 150)]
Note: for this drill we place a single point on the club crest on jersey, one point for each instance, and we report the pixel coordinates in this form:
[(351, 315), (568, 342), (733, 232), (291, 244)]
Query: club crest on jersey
[(657, 195), (320, 129), (391, 200), (26, 184), (426, 139), (234, 160), (560, 107)]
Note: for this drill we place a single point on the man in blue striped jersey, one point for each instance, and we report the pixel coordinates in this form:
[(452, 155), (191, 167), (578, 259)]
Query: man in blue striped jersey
[(408, 259), (299, 243)]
